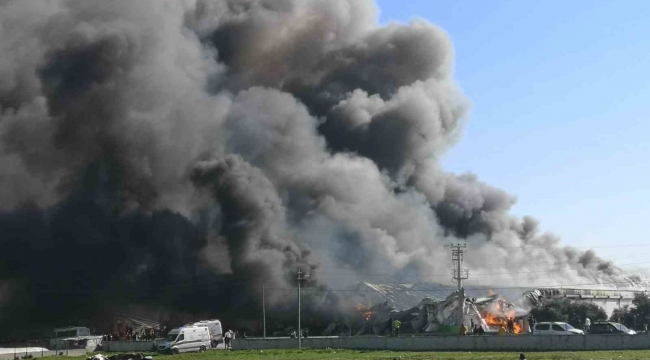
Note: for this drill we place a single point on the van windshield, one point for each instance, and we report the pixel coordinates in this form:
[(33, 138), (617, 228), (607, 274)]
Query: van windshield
[(568, 327), (171, 337)]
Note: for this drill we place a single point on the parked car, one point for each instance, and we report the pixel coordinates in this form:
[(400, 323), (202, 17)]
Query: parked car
[(608, 327), (556, 328)]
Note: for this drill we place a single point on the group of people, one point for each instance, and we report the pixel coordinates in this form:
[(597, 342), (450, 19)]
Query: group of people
[(129, 335), (304, 333), (474, 329), (577, 322)]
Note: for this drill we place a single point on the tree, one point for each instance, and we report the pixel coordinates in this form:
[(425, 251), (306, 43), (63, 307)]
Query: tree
[(634, 317), (641, 309), (573, 312), (624, 316)]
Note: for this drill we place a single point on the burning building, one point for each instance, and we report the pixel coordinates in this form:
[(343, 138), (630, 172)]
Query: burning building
[(431, 308), (425, 308), (184, 154)]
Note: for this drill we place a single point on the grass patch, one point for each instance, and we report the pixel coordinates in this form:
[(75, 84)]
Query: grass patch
[(337, 354)]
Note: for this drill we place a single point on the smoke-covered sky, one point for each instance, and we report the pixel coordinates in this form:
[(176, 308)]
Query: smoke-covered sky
[(185, 153), (547, 80)]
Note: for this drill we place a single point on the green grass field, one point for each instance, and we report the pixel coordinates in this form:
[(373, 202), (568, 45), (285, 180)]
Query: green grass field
[(388, 355)]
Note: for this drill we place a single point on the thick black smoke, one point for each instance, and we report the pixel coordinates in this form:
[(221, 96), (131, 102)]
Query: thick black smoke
[(181, 154)]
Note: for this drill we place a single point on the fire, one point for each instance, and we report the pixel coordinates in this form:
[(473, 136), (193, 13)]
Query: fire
[(498, 315), (495, 321), (365, 312)]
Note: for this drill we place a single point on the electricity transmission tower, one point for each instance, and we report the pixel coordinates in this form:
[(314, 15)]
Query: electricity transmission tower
[(460, 274)]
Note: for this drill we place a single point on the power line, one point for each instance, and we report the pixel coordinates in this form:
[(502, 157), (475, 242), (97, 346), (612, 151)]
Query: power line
[(352, 274), (467, 288)]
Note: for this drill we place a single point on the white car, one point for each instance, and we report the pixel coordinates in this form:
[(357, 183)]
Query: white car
[(556, 328)]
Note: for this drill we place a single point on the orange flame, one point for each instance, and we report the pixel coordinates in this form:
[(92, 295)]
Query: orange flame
[(497, 321), (365, 312)]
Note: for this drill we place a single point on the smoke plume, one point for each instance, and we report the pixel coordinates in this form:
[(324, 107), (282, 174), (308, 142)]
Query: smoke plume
[(185, 153)]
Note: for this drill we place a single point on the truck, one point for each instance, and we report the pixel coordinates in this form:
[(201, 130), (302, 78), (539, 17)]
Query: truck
[(74, 337)]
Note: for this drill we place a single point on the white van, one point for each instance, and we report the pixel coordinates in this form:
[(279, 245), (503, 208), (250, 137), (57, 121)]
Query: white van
[(186, 339), (556, 328), (216, 332)]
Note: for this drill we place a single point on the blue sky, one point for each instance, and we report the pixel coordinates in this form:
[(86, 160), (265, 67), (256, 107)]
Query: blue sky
[(560, 93)]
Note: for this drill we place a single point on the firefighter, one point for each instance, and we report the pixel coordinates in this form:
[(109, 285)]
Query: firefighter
[(502, 330), (511, 326), (396, 325), (463, 330)]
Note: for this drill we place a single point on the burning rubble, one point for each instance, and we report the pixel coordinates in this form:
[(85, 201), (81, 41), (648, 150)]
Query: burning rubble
[(431, 315), (496, 312)]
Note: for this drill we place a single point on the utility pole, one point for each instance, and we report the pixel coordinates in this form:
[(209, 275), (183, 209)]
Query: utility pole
[(264, 309), (457, 251), (300, 278)]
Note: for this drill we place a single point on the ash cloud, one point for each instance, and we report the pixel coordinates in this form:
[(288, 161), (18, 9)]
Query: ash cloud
[(222, 144)]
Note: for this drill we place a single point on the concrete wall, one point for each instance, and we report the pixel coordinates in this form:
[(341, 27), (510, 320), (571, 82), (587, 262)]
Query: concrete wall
[(458, 343), (71, 352), (127, 346), (108, 346)]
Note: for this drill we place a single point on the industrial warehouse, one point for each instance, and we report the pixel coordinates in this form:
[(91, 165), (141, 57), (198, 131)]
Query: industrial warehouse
[(215, 175)]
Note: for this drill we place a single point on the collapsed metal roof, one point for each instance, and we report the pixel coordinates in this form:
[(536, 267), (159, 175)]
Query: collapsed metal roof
[(406, 296), (139, 323)]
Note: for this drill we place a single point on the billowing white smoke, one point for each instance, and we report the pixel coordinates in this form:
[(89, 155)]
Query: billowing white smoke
[(275, 133)]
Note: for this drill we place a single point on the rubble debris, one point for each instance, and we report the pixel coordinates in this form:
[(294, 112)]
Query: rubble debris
[(431, 315)]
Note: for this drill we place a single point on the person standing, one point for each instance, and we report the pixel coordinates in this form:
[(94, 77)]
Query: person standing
[(226, 339), (479, 330), (511, 326), (463, 330), (396, 325), (587, 324), (531, 323), (502, 330)]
